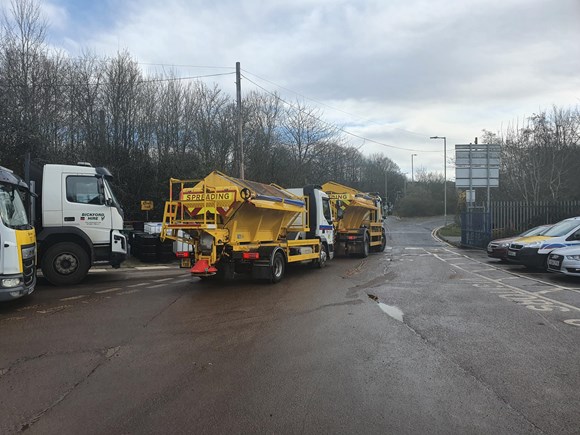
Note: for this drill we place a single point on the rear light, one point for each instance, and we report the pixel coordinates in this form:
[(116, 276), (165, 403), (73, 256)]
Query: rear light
[(182, 254), (251, 256), (351, 237)]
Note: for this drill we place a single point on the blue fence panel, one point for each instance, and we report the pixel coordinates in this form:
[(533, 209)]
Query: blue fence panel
[(475, 229)]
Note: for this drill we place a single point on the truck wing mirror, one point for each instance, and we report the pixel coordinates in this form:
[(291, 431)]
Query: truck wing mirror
[(339, 213)]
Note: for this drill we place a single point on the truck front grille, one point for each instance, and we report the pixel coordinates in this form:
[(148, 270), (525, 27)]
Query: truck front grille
[(29, 264)]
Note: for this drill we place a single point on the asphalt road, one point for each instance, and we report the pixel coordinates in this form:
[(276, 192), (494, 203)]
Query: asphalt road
[(423, 338)]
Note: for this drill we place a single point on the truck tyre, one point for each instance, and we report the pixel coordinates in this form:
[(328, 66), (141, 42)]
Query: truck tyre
[(365, 246), (323, 258), (278, 266), (383, 241), (65, 263)]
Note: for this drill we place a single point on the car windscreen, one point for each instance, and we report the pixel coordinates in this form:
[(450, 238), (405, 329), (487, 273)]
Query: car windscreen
[(562, 228), (532, 232)]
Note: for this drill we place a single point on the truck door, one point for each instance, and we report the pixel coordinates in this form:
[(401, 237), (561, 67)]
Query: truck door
[(84, 206)]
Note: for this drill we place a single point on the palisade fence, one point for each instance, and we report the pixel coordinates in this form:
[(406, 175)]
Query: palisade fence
[(506, 218)]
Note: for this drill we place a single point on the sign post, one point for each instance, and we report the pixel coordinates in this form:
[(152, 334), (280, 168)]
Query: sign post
[(477, 165), (146, 206)]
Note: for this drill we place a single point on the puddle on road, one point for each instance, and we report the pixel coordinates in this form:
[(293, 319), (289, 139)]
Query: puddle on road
[(390, 310)]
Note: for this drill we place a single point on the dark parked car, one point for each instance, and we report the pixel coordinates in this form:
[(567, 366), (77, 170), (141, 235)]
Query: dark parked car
[(499, 248)]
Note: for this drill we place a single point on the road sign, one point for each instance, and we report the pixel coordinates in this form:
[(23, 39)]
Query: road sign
[(146, 205), (477, 165)]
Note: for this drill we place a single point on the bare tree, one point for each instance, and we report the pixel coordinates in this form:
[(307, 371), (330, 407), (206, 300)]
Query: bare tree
[(306, 135), (21, 59)]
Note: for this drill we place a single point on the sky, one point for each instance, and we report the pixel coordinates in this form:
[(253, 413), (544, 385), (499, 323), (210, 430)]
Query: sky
[(391, 73)]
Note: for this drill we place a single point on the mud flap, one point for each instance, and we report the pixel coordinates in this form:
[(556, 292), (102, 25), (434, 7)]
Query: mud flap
[(262, 271)]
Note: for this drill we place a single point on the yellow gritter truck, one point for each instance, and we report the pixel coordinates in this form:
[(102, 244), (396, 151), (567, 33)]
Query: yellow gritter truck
[(17, 238), (234, 226), (359, 220)]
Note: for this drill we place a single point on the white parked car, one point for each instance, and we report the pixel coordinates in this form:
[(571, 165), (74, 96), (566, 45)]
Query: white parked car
[(565, 260), (533, 251)]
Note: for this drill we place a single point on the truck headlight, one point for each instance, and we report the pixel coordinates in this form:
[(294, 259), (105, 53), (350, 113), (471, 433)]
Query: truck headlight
[(28, 252), (10, 282)]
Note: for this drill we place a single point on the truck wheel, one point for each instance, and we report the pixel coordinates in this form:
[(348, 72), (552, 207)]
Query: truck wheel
[(65, 263), (323, 258), (383, 241), (278, 265), (366, 246)]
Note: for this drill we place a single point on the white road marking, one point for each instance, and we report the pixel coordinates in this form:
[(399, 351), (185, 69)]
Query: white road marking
[(151, 267), (183, 280), (128, 292), (164, 279), (109, 290), (157, 286), (54, 309), (97, 270), (9, 319), (573, 322), (543, 292), (138, 285), (72, 298), (515, 275), (517, 290)]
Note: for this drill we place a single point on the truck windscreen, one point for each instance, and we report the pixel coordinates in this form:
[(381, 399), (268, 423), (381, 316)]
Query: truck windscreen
[(111, 195), (12, 209)]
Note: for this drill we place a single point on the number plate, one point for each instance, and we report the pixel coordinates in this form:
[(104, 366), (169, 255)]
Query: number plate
[(489, 249), (185, 263), (554, 263), (511, 253)]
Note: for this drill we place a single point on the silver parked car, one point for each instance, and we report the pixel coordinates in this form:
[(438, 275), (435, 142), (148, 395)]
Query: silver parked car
[(565, 260)]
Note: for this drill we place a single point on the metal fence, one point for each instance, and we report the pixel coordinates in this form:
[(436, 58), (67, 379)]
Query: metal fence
[(506, 218), (475, 229), (510, 217)]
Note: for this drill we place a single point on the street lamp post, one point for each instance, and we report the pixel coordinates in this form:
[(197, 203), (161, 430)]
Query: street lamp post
[(412, 170), (444, 174)]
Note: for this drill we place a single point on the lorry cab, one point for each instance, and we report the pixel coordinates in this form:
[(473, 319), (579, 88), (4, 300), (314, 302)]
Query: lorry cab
[(320, 218), (18, 242), (84, 201), (78, 221)]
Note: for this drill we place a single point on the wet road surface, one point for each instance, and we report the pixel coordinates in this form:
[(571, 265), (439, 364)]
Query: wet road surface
[(423, 338)]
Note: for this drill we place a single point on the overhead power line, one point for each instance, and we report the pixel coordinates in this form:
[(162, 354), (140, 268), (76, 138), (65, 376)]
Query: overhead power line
[(105, 81), (366, 139), (333, 108)]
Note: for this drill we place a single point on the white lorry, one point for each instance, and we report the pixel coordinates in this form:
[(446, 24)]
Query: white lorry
[(78, 220), (17, 241)]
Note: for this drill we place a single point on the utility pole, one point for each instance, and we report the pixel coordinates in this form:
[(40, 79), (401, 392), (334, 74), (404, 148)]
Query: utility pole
[(386, 187), (444, 174), (239, 107)]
